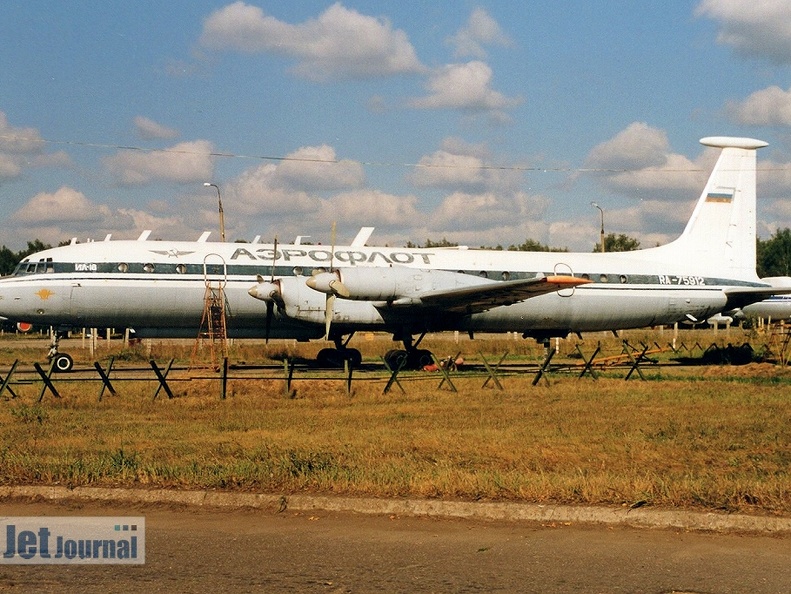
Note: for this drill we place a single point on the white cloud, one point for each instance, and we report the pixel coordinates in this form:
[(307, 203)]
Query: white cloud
[(444, 169), (465, 87), (774, 179), (461, 210), (148, 129), (340, 43), (22, 148), (636, 147), (481, 29), (368, 207), (317, 168), (459, 165), (637, 162), (57, 216), (767, 107), (294, 184), (66, 205), (257, 191), (759, 28), (185, 162)]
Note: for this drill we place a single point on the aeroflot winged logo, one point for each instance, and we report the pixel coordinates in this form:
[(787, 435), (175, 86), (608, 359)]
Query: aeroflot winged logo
[(73, 540), (171, 253)]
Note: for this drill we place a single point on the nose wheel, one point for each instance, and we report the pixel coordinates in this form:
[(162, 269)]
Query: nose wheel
[(61, 361)]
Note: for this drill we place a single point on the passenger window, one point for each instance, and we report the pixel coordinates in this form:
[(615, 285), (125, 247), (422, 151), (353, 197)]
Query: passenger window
[(148, 267), (181, 268), (123, 267)]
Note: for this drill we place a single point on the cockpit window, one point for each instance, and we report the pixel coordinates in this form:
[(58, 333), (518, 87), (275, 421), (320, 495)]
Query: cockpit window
[(27, 266)]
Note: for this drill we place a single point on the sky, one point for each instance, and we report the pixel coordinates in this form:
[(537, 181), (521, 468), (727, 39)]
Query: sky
[(484, 123)]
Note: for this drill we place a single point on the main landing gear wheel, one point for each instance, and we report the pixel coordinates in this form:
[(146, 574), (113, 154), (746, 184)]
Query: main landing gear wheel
[(337, 357), (408, 359), (62, 363)]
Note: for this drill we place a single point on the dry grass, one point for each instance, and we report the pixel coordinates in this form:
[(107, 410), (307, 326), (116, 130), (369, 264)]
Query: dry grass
[(710, 437)]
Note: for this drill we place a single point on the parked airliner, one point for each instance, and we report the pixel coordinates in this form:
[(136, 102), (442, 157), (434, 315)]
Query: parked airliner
[(308, 292)]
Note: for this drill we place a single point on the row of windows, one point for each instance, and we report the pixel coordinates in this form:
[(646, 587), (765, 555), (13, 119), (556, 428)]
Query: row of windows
[(603, 278), (42, 266)]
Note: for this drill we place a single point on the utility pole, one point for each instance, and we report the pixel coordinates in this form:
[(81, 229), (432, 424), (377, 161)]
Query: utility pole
[(222, 214), (601, 244)]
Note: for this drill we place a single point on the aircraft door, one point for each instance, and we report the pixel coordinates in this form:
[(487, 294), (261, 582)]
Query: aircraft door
[(76, 306), (564, 269)]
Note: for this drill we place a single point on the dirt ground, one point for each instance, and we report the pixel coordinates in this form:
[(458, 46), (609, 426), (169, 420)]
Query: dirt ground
[(200, 550)]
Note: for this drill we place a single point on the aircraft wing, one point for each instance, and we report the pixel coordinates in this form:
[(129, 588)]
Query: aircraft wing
[(478, 298)]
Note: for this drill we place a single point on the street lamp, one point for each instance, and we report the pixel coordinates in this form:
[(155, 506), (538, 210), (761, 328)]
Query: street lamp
[(222, 215), (602, 224)]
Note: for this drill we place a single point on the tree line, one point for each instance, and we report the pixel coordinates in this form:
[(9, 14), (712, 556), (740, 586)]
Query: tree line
[(9, 258), (773, 254)]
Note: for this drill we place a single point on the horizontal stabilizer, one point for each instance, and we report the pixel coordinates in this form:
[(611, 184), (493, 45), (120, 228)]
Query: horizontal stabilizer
[(739, 297)]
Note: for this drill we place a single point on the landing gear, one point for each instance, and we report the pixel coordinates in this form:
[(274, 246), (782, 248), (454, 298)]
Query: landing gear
[(336, 357), (410, 357), (61, 361), (340, 354)]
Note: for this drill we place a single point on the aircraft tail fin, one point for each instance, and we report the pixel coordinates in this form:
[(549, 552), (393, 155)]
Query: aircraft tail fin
[(722, 229)]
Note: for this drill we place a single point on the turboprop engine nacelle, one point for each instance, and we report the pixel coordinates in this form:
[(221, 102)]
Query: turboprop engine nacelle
[(267, 291), (296, 301)]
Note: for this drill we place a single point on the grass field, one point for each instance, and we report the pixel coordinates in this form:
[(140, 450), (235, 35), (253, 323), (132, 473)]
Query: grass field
[(708, 437)]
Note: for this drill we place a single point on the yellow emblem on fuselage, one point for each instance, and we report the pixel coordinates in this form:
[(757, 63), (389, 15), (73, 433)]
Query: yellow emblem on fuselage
[(45, 294)]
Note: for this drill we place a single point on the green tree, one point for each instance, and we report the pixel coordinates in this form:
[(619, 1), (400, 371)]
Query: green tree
[(774, 254), (618, 243), (9, 259), (531, 245), (442, 243)]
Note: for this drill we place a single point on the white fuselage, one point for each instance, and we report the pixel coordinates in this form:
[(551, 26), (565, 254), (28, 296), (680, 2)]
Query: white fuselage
[(158, 288)]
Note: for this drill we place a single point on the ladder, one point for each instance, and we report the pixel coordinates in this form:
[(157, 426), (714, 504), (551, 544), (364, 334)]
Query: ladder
[(780, 338), (213, 330)]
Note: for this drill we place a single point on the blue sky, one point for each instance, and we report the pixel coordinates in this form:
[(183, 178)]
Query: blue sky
[(485, 123)]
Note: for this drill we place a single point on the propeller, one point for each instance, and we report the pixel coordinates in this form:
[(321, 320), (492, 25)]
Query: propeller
[(329, 307), (269, 292), (330, 284)]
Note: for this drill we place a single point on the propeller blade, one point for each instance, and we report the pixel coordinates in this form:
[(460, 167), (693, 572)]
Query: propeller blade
[(270, 308), (274, 257), (332, 241), (328, 311)]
